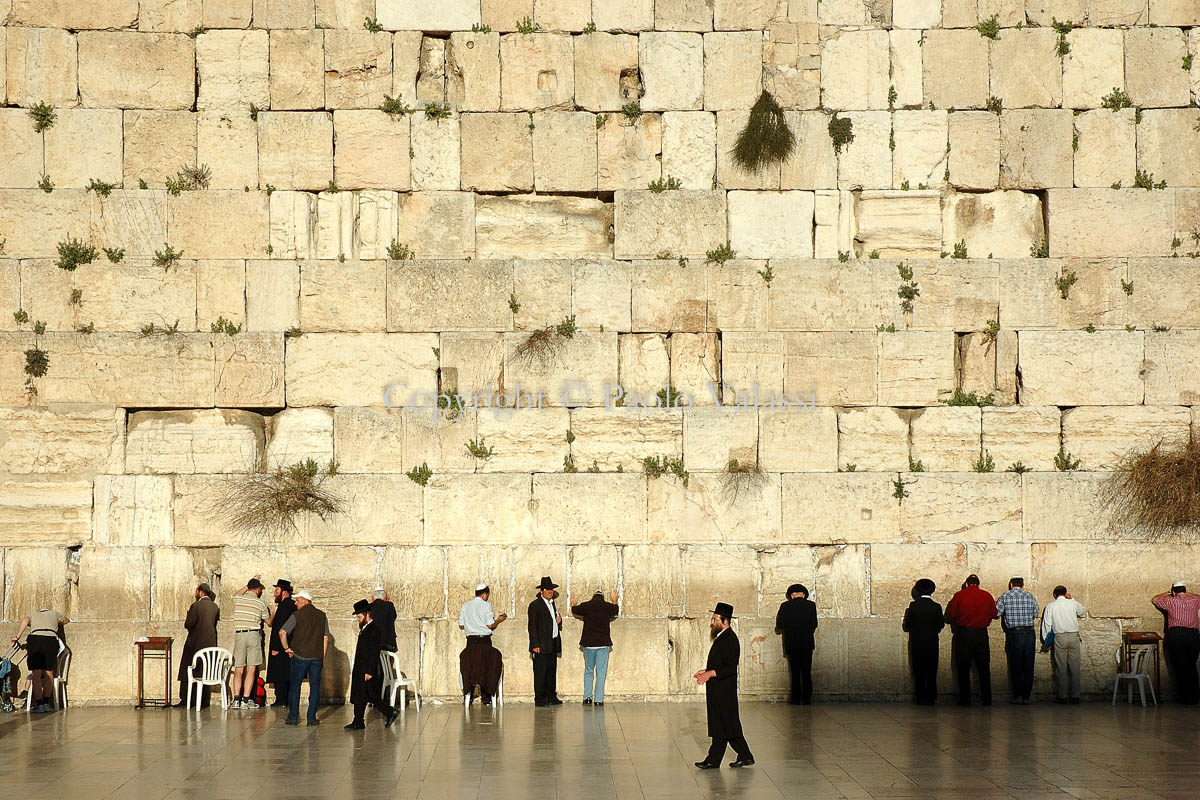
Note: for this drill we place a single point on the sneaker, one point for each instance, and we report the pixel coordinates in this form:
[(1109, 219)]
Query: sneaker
[(236, 704)]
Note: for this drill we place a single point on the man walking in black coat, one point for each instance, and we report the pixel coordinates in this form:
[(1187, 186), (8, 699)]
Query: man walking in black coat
[(797, 620), (719, 679), (924, 622), (279, 664), (366, 680), (545, 642)]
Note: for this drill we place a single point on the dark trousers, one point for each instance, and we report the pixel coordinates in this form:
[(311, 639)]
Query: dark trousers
[(302, 668), (1020, 645), (800, 664), (717, 750), (923, 656), (375, 698), (971, 648), (1183, 648), (545, 677), (283, 691)]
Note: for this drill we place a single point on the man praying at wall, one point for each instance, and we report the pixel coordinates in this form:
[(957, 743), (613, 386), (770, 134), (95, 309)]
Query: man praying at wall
[(1182, 641), (1018, 611), (479, 663), (796, 620), (969, 613)]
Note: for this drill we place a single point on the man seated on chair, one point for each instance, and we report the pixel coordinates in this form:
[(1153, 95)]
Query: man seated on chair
[(366, 676), (479, 662)]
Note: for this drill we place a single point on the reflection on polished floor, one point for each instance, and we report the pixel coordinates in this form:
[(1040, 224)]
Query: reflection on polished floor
[(624, 750)]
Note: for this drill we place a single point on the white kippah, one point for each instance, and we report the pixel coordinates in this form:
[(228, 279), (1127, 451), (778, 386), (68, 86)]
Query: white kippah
[(481, 587), (1178, 583)]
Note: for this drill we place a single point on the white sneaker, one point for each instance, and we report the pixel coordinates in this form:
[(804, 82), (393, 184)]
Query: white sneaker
[(236, 705)]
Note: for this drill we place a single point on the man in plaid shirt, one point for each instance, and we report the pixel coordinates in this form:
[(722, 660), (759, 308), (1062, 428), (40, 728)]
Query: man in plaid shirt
[(1017, 610)]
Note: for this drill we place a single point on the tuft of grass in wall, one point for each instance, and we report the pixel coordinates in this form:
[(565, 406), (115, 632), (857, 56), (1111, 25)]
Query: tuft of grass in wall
[(1116, 100), (394, 106), (477, 28), (632, 110), (668, 397), (20, 316), (39, 327), (908, 291), (400, 252), (420, 475), (990, 27), (990, 331), (527, 26), (189, 179), (1089, 328), (841, 132), (1062, 46), (1145, 180), (670, 184), (892, 139), (843, 256), (1187, 62), (372, 24), (142, 184), (87, 329), (46, 185), (904, 185), (915, 465), (74, 252), (76, 297), (767, 274), (1160, 328), (332, 188), (293, 333), (995, 105), (268, 504), (766, 138), (226, 327), (1064, 283), (595, 467), (43, 117), (601, 120), (480, 450), (570, 436), (961, 398), (1039, 249), (1130, 328), (199, 30), (889, 328), (985, 463), (1063, 462), (892, 97), (513, 305), (590, 27), (1155, 492), (437, 111), (741, 480), (960, 249), (719, 255), (167, 257), (101, 188), (253, 112), (899, 490), (683, 262), (37, 362), (1018, 468), (1074, 141), (850, 467), (1127, 288), (658, 466), (151, 329), (115, 254), (569, 463), (540, 348)]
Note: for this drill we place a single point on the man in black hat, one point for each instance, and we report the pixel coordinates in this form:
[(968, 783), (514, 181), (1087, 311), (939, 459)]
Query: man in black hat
[(719, 679), (797, 620), (366, 682), (279, 665), (545, 642), (923, 622)]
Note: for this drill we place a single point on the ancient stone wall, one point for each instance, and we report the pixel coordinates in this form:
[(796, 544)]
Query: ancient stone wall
[(1016, 216)]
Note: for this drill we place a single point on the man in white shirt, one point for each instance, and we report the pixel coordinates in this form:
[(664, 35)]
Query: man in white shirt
[(1061, 618), (480, 663)]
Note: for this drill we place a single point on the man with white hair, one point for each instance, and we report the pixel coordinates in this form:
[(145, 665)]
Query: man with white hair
[(480, 663), (383, 614), (305, 638)]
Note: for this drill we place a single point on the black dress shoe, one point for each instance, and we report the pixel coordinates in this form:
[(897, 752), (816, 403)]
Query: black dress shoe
[(599, 705), (587, 701), (314, 723), (540, 703), (707, 765), (291, 722), (391, 718), (355, 726), (554, 702), (742, 762)]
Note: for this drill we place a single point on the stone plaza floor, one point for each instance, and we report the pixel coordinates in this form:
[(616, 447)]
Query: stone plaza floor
[(624, 750)]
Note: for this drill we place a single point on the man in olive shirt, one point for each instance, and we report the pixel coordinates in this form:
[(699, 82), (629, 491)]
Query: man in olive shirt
[(305, 638)]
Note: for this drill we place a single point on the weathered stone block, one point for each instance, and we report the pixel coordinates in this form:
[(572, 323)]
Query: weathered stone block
[(272, 295), (576, 374), (996, 224), (714, 436), (974, 158), (295, 150), (230, 140), (946, 439), (438, 438), (798, 440), (1035, 148), (916, 367), (629, 152), (905, 50), (342, 296), (243, 223), (1152, 75), (613, 439), (506, 227), (537, 71), (1093, 67), (564, 151), (623, 15), (732, 69), (921, 155), (430, 81), (376, 510), (1170, 367), (45, 510), (730, 175), (562, 509), (137, 70), (1022, 434), (1165, 147), (720, 573), (872, 439), (62, 439), (737, 295), (296, 434), (896, 567), (1064, 506), (473, 71), (599, 294), (473, 509), (680, 223), (371, 151), (356, 369), (752, 365), (358, 68), (157, 145), (65, 14), (866, 162), (1026, 69), (683, 15), (689, 148), (917, 14), (955, 68), (899, 223), (334, 589), (438, 224), (368, 439), (38, 580), (297, 75), (1064, 367), (132, 510), (214, 440), (1105, 223), (971, 507), (644, 363), (84, 145), (831, 364), (524, 442), (1101, 437), (840, 584), (652, 580), (23, 165), (771, 224), (672, 71), (855, 70), (42, 67), (233, 69), (497, 152), (713, 508), (176, 573), (601, 61), (453, 15), (667, 298), (448, 296), (424, 599), (1107, 151)]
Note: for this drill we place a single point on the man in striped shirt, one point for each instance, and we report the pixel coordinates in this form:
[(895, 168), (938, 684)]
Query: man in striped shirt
[(1182, 641), (249, 613)]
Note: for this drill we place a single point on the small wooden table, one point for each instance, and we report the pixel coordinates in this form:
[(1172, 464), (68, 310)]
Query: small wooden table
[(155, 648), (1132, 639)]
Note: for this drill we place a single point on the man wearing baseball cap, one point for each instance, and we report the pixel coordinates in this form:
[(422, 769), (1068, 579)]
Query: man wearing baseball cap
[(249, 613), (1182, 641), (305, 637)]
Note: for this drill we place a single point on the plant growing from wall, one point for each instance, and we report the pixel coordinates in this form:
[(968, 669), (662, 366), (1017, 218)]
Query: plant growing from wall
[(46, 185), (741, 479), (477, 28), (372, 24), (766, 138), (513, 305), (1018, 468), (189, 179), (43, 117), (719, 255), (152, 329), (394, 106), (437, 111), (226, 327), (889, 328), (76, 297), (601, 120), (420, 475), (400, 252), (1156, 490), (1187, 62), (658, 466), (268, 504), (767, 274), (480, 451), (908, 291), (670, 184), (20, 316), (841, 132), (73, 252), (899, 490), (1064, 283), (114, 254), (1039, 249), (961, 398), (527, 26), (595, 467), (541, 347), (960, 249), (990, 331), (915, 465), (1063, 462), (1116, 100), (1062, 46), (1145, 180), (632, 110), (167, 257), (668, 397), (989, 27), (569, 464), (850, 467), (101, 188), (293, 333), (985, 463)]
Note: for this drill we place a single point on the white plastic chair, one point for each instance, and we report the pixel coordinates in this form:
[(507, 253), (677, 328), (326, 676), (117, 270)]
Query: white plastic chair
[(210, 667), (1137, 672), (394, 680), (61, 669), (497, 701)]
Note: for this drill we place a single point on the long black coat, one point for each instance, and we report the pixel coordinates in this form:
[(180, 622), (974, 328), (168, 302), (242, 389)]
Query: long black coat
[(924, 621), (541, 628), (279, 667), (720, 692), (366, 662), (797, 620), (201, 625), (383, 615)]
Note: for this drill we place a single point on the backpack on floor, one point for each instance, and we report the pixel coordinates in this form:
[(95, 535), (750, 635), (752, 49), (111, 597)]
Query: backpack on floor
[(260, 692)]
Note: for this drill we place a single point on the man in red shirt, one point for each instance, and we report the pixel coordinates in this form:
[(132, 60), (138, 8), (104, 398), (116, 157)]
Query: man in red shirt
[(969, 613), (1183, 639)]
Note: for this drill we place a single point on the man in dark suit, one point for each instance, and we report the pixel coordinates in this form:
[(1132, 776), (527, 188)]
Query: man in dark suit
[(383, 617), (366, 680), (201, 624), (545, 642), (279, 664), (924, 622), (719, 679), (797, 620)]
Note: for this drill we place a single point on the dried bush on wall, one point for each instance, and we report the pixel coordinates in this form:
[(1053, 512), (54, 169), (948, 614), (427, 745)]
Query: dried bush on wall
[(740, 479), (266, 505), (1156, 492), (766, 139)]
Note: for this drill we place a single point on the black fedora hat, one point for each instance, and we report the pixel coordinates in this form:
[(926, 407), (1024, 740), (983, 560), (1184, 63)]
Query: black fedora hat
[(724, 610), (546, 583), (362, 607), (284, 584)]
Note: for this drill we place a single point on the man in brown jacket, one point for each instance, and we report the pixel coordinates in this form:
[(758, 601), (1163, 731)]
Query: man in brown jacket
[(201, 624), (305, 638), (596, 642)]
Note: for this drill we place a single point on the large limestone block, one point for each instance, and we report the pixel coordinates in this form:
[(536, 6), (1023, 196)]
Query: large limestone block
[(248, 371), (916, 367), (135, 221), (478, 509), (216, 440), (296, 434), (229, 140), (196, 510), (1171, 375), (242, 219), (898, 223), (629, 152), (123, 69), (577, 374), (42, 67), (23, 164), (473, 71), (1167, 148), (376, 510), (752, 367), (817, 295), (45, 510), (564, 151), (672, 71), (430, 80), (921, 140), (472, 365), (955, 68), (652, 580), (592, 568), (1066, 506), (678, 222), (297, 75), (771, 224), (905, 51), (62, 439), (737, 295), (946, 439), (601, 60), (732, 69), (358, 68), (1101, 437), (1105, 223), (37, 578), (1071, 368), (974, 159), (720, 573), (1107, 147), (371, 151), (129, 369), (84, 145), (695, 364), (438, 224), (563, 503), (524, 442), (621, 438), (233, 69), (333, 588), (272, 14), (1029, 297), (114, 584), (368, 439), (841, 580), (537, 71), (644, 664), (600, 296), (132, 510), (714, 436), (798, 440), (1146, 570), (956, 507), (45, 220), (1094, 66), (866, 162), (497, 152), (1152, 74), (422, 599), (467, 566), (896, 567), (295, 150), (176, 573), (1035, 148), (1173, 12), (227, 13), (995, 224), (66, 14), (566, 15), (689, 148), (644, 364), (103, 659), (874, 439), (840, 367), (347, 14), (623, 15), (449, 296), (342, 296), (1022, 434), (855, 69), (272, 295), (453, 15), (1026, 69), (438, 438), (955, 294), (357, 369), (917, 14), (712, 508), (1166, 291), (157, 145)]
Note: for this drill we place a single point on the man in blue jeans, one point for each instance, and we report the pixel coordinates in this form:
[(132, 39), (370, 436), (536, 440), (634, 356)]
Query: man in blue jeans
[(596, 643), (305, 638)]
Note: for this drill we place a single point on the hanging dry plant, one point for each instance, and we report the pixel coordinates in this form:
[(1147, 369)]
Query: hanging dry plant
[(266, 505), (766, 139), (1156, 493), (739, 480)]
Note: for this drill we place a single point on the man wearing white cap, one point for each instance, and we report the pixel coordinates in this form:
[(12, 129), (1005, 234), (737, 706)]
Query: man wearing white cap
[(305, 638), (480, 663), (1182, 641)]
